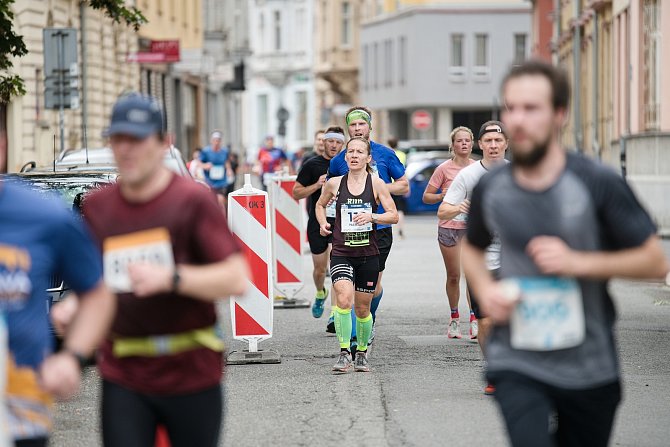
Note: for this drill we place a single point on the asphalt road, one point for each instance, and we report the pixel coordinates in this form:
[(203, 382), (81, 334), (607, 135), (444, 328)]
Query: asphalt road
[(424, 389)]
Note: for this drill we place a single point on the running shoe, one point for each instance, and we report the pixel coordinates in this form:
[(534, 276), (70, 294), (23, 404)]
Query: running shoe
[(330, 327), (372, 334), (343, 364), (454, 329), (361, 363), (474, 328), (489, 389), (319, 300)]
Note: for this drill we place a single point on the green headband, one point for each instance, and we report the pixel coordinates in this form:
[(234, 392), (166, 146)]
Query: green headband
[(358, 114)]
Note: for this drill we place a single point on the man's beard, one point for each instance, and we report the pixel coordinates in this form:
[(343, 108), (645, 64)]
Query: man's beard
[(533, 157)]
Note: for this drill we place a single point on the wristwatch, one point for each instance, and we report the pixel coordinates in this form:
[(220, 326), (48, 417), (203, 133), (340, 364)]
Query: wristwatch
[(374, 218), (81, 359), (176, 279)]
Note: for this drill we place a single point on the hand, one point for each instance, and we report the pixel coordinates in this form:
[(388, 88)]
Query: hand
[(62, 313), (207, 166), (464, 207), (442, 194), (321, 180), (149, 279), (60, 375), (362, 218), (324, 230), (553, 256), (498, 301)]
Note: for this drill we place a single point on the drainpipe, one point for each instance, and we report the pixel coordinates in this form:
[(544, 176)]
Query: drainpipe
[(84, 77), (594, 86), (577, 67), (623, 140)]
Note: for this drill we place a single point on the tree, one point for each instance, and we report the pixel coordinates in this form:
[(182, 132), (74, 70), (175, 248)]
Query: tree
[(12, 45)]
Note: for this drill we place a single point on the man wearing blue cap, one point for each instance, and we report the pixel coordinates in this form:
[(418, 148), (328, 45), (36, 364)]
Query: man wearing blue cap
[(387, 166), (168, 255)]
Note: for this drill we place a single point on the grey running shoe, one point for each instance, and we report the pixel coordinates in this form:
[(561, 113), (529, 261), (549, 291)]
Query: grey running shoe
[(343, 363), (361, 364)]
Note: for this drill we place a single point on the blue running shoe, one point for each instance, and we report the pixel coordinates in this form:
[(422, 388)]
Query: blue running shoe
[(319, 301)]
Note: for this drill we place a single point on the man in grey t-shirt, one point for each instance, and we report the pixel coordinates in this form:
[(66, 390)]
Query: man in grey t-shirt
[(566, 225)]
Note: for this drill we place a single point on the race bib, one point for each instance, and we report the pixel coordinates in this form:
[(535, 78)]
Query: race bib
[(349, 211), (149, 246), (331, 210), (217, 172), (549, 316)]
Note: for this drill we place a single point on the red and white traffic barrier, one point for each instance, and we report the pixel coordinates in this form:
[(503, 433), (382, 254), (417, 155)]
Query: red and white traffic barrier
[(252, 314), (289, 233)]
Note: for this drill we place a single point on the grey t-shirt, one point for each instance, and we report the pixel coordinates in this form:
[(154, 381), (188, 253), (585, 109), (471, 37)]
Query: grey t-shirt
[(590, 208)]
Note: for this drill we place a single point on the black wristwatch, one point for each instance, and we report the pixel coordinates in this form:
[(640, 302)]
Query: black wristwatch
[(82, 360), (176, 279)]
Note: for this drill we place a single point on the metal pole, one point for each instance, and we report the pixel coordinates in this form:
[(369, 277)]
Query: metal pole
[(577, 67), (61, 83), (84, 77), (594, 86)]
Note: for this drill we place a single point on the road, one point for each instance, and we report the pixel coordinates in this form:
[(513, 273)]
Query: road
[(424, 390)]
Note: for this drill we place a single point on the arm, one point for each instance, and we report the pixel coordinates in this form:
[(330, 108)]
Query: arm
[(447, 211), (399, 187), (454, 202), (554, 257), (390, 215), (327, 194), (431, 196), (300, 191), (209, 282)]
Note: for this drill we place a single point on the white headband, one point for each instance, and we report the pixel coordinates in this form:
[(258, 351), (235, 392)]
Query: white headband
[(334, 135)]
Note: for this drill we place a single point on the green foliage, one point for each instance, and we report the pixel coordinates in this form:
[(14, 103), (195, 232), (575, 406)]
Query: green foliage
[(12, 45)]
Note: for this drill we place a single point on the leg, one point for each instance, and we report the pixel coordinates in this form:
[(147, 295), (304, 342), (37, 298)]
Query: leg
[(128, 420), (193, 419), (526, 406), (452, 262), (366, 273), (318, 245), (320, 265), (342, 274), (585, 417)]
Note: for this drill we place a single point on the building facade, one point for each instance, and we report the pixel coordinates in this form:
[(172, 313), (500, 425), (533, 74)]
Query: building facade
[(30, 127), (446, 61), (280, 82), (620, 70)]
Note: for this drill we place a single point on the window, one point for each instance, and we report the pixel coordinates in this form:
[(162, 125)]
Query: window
[(402, 62), (457, 50), (651, 53), (366, 67), (519, 48), (300, 37), (262, 116), (346, 24), (481, 50), (277, 30), (301, 122), (375, 64)]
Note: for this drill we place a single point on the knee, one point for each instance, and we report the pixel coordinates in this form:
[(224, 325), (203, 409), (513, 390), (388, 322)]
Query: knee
[(362, 310), (453, 279)]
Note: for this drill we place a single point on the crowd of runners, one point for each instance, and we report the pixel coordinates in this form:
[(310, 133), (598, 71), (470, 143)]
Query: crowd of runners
[(540, 236)]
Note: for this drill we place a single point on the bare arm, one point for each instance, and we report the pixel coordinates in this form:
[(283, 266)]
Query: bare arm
[(447, 211), (431, 196), (327, 194), (554, 257), (390, 215), (300, 191), (399, 187)]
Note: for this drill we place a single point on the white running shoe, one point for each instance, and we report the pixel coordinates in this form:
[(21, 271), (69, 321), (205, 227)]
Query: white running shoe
[(454, 329)]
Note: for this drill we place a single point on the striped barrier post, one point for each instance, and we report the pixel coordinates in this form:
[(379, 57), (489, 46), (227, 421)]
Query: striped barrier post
[(288, 236), (251, 314)]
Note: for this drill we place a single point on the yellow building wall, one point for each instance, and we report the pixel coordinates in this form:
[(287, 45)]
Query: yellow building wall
[(173, 19)]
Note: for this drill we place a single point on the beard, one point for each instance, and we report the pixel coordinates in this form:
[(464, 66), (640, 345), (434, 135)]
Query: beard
[(533, 157)]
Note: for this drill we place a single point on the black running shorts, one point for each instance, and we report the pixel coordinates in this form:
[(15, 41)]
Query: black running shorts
[(384, 242), (362, 271)]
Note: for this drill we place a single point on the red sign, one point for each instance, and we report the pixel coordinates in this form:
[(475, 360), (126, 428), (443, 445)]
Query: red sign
[(422, 120), (160, 51)]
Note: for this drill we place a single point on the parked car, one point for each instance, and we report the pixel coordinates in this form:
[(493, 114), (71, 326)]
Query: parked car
[(418, 173)]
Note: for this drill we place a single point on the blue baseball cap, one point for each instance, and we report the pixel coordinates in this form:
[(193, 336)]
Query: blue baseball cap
[(136, 115)]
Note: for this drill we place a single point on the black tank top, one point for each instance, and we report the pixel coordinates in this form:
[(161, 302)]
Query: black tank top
[(346, 240)]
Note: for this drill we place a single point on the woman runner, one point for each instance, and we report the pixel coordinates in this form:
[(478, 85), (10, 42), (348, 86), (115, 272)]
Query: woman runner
[(355, 256)]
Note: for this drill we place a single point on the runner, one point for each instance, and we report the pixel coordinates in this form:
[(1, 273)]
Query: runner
[(493, 142), (270, 160), (388, 167), (311, 178), (567, 225), (355, 255), (40, 239), (168, 255), (399, 200), (319, 146), (216, 164), (450, 232)]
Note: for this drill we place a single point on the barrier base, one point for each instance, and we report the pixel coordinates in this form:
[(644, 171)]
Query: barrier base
[(290, 303), (245, 357)]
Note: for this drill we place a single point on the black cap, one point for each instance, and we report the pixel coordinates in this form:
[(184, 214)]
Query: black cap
[(136, 115), (495, 126)]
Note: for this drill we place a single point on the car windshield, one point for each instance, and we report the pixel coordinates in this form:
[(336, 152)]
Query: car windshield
[(66, 189)]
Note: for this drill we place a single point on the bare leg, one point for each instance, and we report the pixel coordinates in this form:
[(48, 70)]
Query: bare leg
[(320, 265), (452, 263)]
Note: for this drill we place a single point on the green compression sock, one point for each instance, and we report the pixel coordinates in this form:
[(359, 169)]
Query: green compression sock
[(343, 326), (363, 331)]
